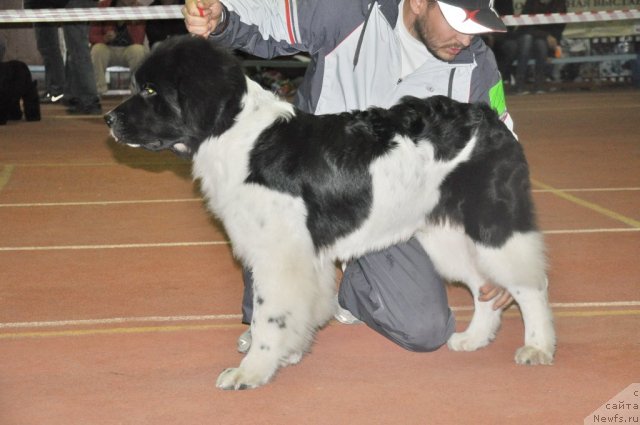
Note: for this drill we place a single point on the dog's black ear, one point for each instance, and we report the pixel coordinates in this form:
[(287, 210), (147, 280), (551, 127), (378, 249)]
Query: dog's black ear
[(211, 86)]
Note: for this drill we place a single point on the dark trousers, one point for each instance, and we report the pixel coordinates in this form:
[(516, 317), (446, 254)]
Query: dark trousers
[(75, 78), (530, 47)]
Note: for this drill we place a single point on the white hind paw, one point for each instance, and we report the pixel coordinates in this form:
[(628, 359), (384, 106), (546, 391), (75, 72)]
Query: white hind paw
[(461, 341), (528, 355), (291, 359), (238, 379)]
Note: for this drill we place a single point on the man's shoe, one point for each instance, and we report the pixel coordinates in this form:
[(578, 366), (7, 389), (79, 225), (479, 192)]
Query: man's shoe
[(244, 341), (344, 316), (92, 109), (51, 98)]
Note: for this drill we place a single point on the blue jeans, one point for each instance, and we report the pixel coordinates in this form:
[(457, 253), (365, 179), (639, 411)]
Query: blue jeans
[(635, 71), (530, 47), (75, 79)]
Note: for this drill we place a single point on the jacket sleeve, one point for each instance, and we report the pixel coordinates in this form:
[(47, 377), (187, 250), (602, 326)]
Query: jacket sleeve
[(486, 82), (268, 28)]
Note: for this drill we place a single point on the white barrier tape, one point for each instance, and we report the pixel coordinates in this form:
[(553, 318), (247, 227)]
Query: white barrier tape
[(135, 13), (573, 17), (174, 12)]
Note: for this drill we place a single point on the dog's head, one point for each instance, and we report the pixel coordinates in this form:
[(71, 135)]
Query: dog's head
[(187, 90)]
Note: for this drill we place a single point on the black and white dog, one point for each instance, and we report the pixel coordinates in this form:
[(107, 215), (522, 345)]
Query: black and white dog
[(296, 191)]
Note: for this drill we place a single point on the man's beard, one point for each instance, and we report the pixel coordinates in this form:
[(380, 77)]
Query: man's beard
[(424, 39)]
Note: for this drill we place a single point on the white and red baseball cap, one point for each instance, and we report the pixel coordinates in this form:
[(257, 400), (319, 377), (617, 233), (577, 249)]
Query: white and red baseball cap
[(472, 16)]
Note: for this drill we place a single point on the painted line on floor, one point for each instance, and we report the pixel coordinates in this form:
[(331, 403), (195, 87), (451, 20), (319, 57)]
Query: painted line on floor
[(226, 242), (589, 205), (584, 231), (113, 246), (200, 199), (118, 331), (5, 175), (237, 317), (113, 320), (205, 317), (594, 189), (597, 304), (181, 328), (150, 201), (101, 164), (100, 203)]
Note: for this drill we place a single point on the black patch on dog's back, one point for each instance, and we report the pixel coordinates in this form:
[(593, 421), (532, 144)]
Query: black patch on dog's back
[(325, 161)]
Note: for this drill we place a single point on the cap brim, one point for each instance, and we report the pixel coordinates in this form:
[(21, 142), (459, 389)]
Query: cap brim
[(472, 22)]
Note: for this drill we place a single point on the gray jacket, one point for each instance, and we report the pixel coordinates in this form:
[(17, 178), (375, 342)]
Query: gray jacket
[(355, 54)]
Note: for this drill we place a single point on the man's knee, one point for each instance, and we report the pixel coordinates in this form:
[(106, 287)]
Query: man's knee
[(135, 54), (100, 55), (425, 335)]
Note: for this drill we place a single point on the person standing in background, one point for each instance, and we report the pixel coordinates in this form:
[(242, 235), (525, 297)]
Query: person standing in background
[(537, 42), (72, 81)]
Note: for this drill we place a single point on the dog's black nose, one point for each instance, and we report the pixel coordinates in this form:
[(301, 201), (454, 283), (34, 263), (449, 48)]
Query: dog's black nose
[(109, 118)]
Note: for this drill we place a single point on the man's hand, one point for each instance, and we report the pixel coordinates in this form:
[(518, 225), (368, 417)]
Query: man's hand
[(201, 17), (489, 292)]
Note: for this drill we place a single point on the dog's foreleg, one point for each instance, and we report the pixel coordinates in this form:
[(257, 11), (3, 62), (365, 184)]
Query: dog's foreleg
[(292, 298)]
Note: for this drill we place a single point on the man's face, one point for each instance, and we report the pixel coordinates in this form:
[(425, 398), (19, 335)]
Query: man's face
[(433, 30)]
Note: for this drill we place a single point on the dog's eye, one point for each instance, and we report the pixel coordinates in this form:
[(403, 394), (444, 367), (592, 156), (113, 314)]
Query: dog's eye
[(148, 90)]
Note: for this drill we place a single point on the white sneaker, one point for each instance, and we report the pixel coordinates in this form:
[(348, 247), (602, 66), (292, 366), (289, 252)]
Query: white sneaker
[(344, 316), (244, 341)]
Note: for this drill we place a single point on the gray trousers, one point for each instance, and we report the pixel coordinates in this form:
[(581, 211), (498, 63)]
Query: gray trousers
[(396, 292)]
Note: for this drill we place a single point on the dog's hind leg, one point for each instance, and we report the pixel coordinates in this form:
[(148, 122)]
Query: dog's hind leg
[(453, 255), (292, 299), (519, 266), (484, 324)]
